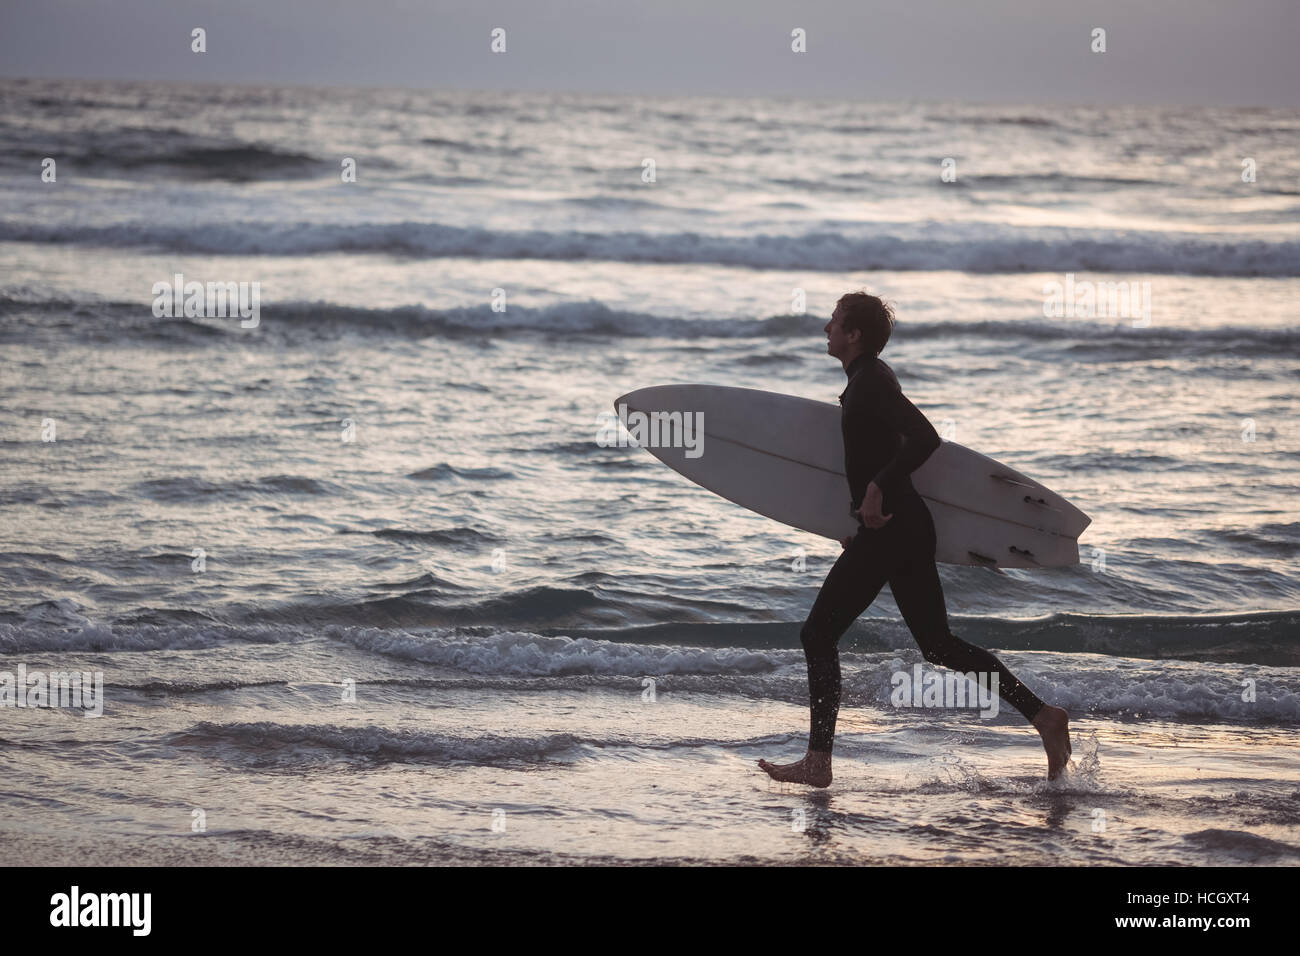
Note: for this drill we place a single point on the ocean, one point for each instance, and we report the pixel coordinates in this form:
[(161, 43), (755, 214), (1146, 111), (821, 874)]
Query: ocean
[(363, 586)]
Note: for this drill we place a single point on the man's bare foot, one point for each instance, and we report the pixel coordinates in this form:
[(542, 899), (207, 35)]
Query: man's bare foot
[(814, 770), (1053, 725)]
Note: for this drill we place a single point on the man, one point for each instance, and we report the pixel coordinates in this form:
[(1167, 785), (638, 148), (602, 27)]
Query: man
[(885, 439)]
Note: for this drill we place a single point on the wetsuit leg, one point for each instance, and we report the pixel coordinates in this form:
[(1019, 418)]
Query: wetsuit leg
[(851, 585), (919, 594)]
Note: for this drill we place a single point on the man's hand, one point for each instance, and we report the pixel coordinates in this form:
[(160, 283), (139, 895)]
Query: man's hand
[(870, 509), (846, 541)]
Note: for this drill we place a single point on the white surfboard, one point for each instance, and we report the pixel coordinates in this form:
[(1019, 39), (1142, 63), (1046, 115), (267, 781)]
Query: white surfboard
[(783, 457)]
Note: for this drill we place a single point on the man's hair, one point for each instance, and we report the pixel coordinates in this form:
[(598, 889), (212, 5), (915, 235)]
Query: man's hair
[(870, 316)]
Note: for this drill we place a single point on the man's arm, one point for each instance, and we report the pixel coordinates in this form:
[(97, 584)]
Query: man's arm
[(919, 437)]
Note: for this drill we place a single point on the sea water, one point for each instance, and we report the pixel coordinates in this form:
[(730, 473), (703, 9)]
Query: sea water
[(362, 585)]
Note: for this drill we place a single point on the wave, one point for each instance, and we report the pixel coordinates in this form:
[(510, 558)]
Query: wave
[(1145, 689), (1276, 540), (1265, 639), (30, 493), (1247, 847), (193, 687), (1022, 182), (449, 537), (961, 119), (187, 489), (615, 202), (1081, 338), (1182, 668), (84, 636), (921, 246), (1270, 638), (126, 321), (230, 163), (525, 654), (414, 608), (168, 149), (129, 320), (465, 642), (445, 471), (268, 745)]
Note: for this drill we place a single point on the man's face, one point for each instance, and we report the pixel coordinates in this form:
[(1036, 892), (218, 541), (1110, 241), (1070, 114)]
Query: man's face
[(839, 341)]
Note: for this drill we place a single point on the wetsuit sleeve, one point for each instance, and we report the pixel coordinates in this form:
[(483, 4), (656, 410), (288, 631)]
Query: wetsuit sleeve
[(919, 437)]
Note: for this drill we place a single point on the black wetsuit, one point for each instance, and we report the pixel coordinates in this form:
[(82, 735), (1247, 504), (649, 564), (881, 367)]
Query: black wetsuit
[(886, 438)]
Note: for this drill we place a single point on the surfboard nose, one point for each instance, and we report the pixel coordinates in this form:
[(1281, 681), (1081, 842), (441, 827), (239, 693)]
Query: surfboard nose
[(634, 400)]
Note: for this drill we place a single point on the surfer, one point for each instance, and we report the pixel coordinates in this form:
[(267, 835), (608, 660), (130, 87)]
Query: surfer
[(886, 438)]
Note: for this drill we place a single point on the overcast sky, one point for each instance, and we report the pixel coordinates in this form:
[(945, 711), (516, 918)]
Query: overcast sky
[(1198, 52)]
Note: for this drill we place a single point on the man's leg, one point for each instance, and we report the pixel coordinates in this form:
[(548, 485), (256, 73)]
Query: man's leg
[(851, 585), (919, 594)]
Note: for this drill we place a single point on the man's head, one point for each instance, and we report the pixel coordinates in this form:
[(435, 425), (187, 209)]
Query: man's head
[(860, 325)]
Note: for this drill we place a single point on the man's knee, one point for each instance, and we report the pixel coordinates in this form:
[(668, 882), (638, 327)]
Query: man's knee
[(814, 638), (939, 648)]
